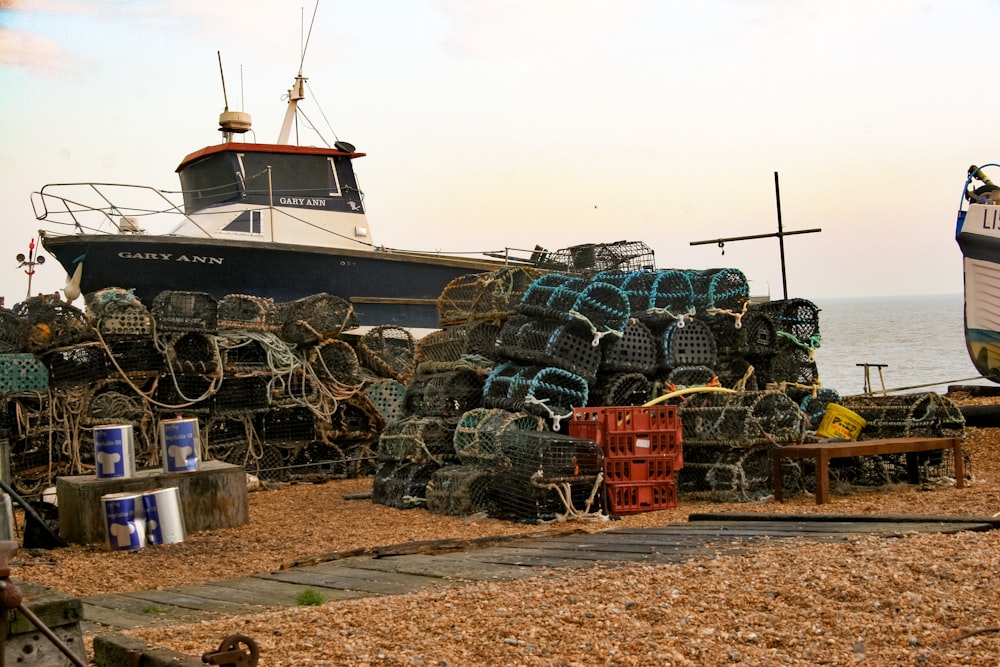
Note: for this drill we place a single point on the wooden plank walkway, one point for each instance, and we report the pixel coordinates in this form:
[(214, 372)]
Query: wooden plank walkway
[(387, 574)]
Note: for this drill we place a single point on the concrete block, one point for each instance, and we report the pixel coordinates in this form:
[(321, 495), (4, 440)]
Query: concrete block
[(212, 497)]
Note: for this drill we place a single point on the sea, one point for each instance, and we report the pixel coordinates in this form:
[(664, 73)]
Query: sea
[(919, 339)]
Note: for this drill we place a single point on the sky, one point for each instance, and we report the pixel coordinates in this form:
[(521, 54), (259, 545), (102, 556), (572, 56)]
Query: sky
[(509, 123)]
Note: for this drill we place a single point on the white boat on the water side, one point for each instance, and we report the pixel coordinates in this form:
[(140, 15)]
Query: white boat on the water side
[(272, 220), (978, 235)]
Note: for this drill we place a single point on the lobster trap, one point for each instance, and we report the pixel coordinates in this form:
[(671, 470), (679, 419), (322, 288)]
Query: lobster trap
[(719, 290), (388, 396), (567, 345), (117, 313), (446, 395), (741, 419), (590, 258), (564, 298), (136, 358), (478, 433), (655, 296), (634, 351), (389, 351), (191, 353), (336, 361), (551, 477), (402, 484), (313, 318), (621, 389), (417, 439), (907, 415), (50, 323), (687, 343), (721, 473), (461, 490), (484, 297), (445, 345), (539, 390), (22, 372), (185, 311), (246, 312), (76, 366), (12, 332)]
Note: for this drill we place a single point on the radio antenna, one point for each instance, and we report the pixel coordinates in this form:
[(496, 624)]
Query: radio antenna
[(222, 75)]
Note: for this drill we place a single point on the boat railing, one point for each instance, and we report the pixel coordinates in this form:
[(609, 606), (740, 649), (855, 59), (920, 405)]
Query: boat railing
[(91, 207)]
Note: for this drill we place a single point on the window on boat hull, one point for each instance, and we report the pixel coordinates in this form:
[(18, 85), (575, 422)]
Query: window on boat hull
[(248, 222)]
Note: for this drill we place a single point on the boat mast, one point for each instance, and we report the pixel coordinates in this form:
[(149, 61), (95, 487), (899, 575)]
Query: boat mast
[(296, 93), (298, 89)]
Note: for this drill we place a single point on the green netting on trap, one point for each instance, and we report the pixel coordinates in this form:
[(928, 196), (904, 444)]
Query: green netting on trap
[(567, 345), (740, 419), (388, 396), (117, 314), (185, 311), (461, 490), (389, 351), (543, 391), (687, 343), (481, 297), (51, 323), (419, 440), (794, 319), (336, 361), (477, 435), (244, 311), (719, 290), (620, 389), (729, 474), (446, 394), (635, 350), (654, 296), (551, 477), (401, 484), (80, 365), (590, 258), (907, 415), (315, 317), (564, 298)]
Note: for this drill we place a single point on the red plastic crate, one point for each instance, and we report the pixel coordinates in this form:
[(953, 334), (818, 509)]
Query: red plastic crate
[(641, 497), (639, 470), (641, 418), (643, 445)]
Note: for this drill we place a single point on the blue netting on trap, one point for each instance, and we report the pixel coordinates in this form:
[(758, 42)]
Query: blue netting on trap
[(559, 297), (539, 390), (719, 289), (654, 296)]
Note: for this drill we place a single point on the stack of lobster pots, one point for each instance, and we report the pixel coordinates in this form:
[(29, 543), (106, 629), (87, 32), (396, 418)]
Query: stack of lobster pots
[(642, 452)]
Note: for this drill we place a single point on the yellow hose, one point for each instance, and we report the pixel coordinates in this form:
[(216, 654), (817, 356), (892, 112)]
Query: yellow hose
[(687, 390)]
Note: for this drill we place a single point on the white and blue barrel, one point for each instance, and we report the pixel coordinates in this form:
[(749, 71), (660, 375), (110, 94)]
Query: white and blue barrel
[(164, 517), (124, 520), (180, 444), (114, 451)]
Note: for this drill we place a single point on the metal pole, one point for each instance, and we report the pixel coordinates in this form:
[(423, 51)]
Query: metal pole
[(781, 238)]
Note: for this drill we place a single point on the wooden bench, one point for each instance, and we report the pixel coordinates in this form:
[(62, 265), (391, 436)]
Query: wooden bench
[(822, 452)]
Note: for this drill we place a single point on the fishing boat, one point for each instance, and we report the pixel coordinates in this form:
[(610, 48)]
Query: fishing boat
[(272, 220), (978, 235)]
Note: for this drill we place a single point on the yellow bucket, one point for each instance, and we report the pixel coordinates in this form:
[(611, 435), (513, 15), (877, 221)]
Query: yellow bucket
[(839, 422)]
